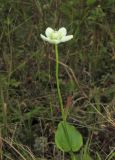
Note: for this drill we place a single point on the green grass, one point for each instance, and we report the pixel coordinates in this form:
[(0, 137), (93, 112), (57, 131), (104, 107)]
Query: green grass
[(29, 111)]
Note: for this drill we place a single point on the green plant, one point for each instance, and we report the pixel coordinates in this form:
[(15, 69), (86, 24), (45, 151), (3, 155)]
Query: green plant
[(67, 138)]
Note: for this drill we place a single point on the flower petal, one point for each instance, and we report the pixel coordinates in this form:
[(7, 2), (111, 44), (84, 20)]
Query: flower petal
[(66, 38), (52, 41), (44, 38), (62, 31), (49, 31)]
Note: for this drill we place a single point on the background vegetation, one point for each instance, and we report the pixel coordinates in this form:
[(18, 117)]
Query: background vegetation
[(29, 111)]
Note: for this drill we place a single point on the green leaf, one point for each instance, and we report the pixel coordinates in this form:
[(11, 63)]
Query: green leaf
[(98, 156), (90, 2), (86, 156), (67, 138)]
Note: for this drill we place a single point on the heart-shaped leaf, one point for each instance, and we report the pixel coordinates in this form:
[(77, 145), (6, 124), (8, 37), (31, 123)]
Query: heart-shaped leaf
[(67, 138)]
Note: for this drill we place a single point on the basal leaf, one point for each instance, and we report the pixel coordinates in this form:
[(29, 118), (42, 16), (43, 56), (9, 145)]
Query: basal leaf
[(67, 138)]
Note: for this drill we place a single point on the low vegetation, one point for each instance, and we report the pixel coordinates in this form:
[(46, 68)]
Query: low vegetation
[(29, 105)]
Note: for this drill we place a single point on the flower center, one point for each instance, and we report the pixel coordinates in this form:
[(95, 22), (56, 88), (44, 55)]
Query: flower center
[(55, 35)]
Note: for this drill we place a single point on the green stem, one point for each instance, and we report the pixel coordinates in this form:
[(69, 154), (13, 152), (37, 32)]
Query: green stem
[(60, 100), (58, 84), (73, 156)]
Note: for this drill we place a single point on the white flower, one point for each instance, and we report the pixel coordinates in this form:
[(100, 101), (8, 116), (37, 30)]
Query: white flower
[(56, 37)]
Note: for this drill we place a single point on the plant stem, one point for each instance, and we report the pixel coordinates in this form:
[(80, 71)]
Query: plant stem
[(73, 156), (58, 84)]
